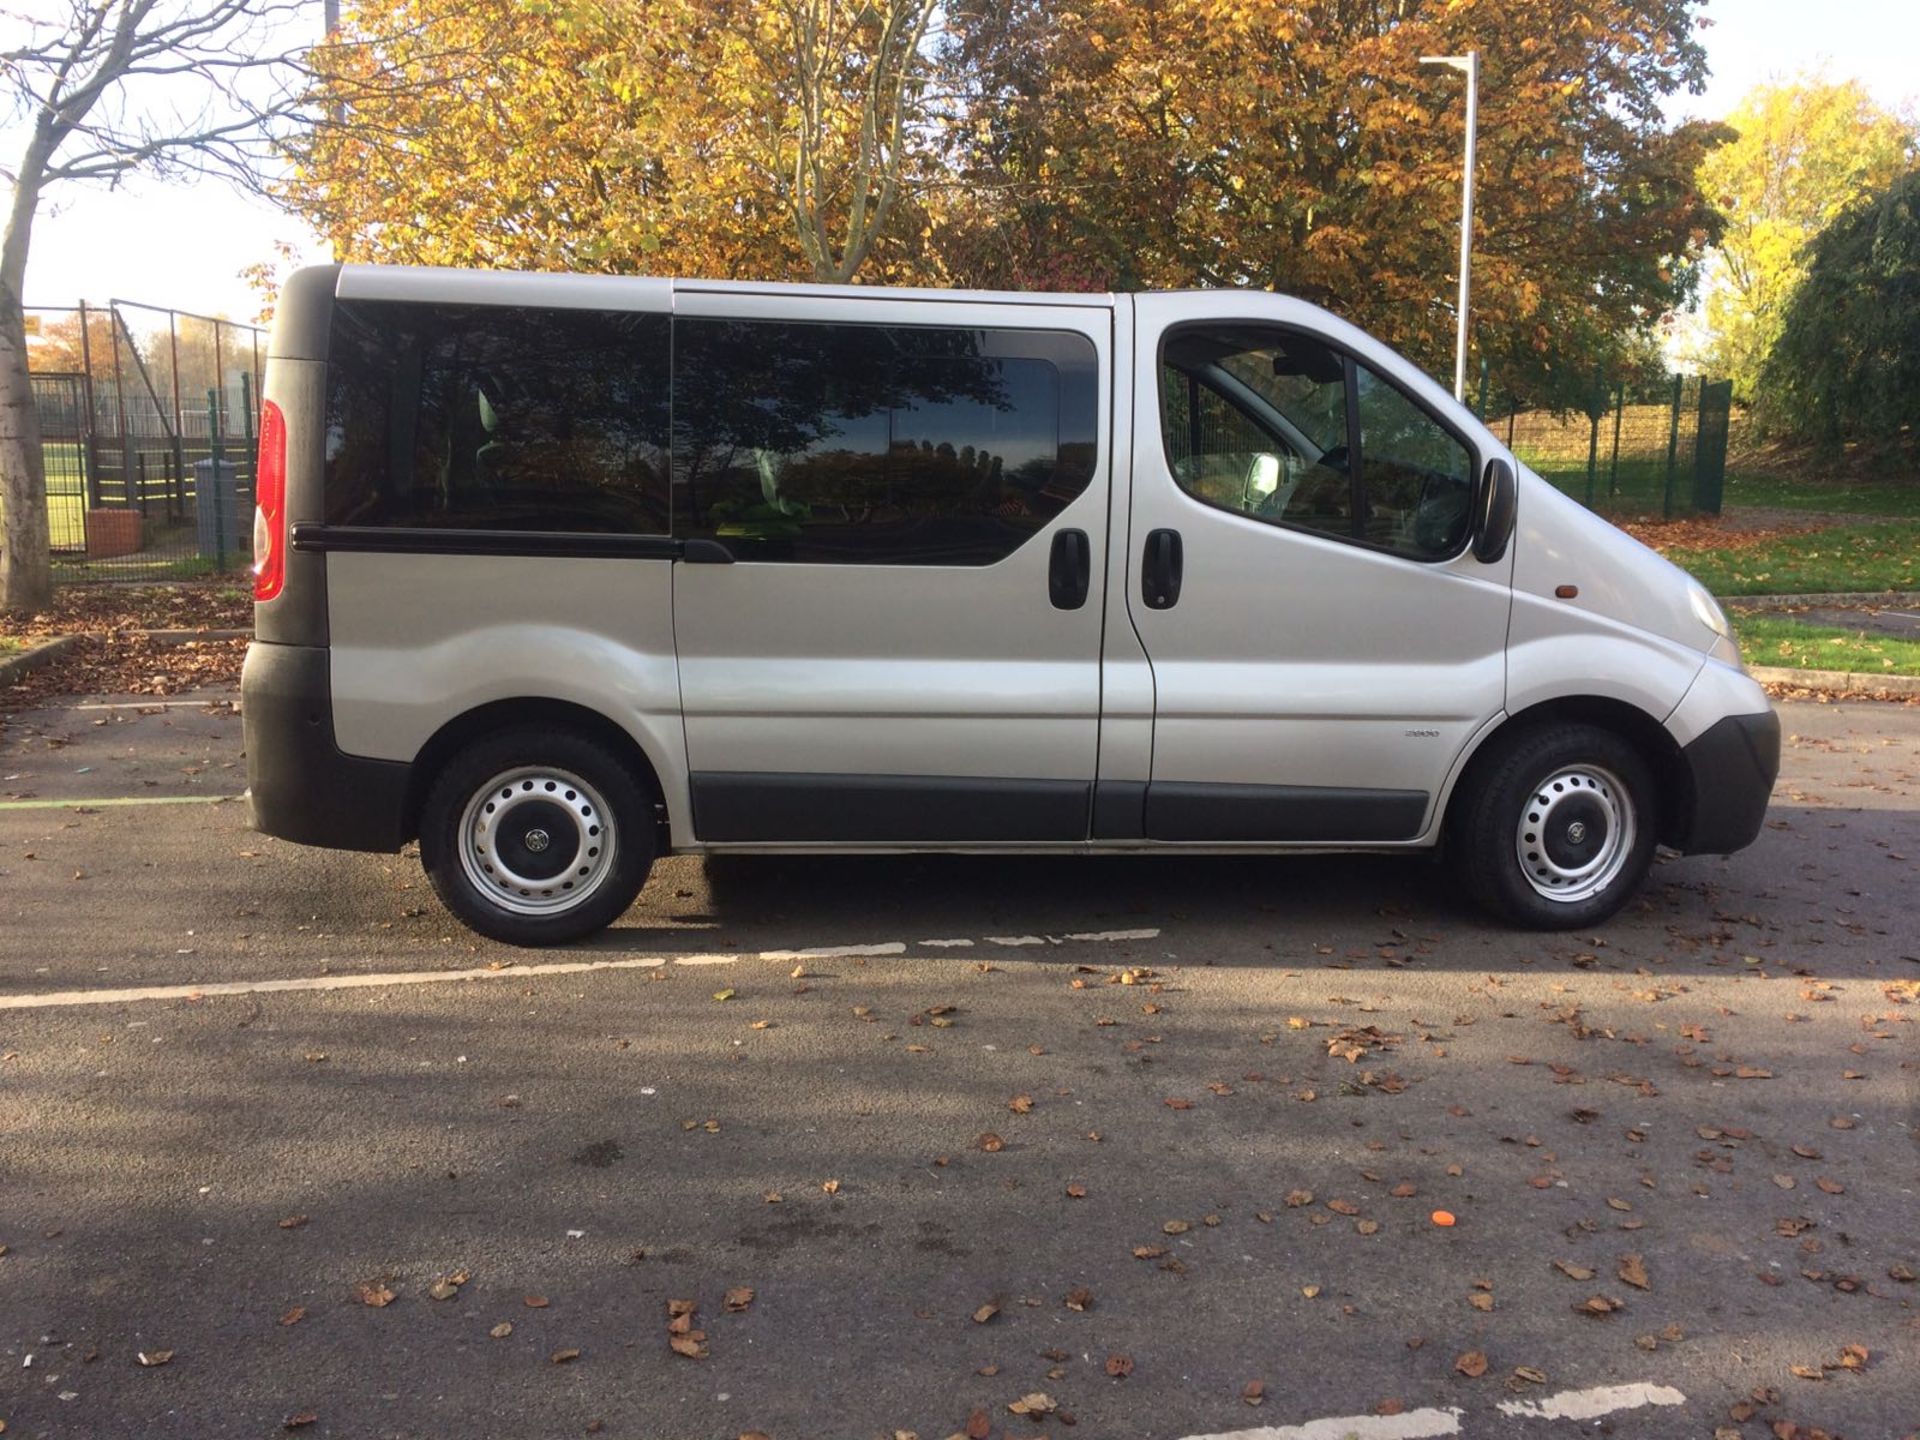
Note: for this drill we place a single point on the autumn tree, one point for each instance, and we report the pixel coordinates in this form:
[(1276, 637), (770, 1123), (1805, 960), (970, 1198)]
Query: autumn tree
[(99, 89), (1805, 152), (1303, 147), (1046, 144), (717, 137)]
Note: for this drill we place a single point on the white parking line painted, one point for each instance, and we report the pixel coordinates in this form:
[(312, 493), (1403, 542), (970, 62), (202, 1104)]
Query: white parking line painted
[(116, 800), (212, 989), (1413, 1425), (1015, 940), (1592, 1404), (946, 944), (837, 952), (1111, 937)]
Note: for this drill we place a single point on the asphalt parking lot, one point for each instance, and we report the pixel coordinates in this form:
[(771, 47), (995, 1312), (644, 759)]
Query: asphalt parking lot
[(1009, 1146)]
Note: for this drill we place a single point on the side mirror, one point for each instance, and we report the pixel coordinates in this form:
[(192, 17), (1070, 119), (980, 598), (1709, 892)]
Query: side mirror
[(1494, 516)]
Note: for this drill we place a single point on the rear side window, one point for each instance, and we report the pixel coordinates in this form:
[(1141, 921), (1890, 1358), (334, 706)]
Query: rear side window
[(486, 417), (877, 445)]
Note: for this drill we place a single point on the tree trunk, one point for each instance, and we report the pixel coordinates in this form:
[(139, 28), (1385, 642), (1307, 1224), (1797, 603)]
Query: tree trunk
[(26, 570)]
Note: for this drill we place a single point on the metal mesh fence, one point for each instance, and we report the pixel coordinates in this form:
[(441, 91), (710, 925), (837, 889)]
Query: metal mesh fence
[(1653, 449), (147, 420)]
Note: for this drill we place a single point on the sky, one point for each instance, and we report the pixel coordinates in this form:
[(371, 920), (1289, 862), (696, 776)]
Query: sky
[(185, 245)]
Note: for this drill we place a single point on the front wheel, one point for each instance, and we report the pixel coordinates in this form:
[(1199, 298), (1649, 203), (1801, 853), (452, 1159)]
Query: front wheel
[(537, 837), (1555, 829)]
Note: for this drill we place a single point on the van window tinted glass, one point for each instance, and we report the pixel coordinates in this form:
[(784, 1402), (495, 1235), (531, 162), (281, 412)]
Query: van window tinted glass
[(869, 444), (497, 418), (1256, 421)]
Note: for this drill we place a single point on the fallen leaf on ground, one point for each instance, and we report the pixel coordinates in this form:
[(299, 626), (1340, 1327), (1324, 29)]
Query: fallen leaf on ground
[(738, 1298), (991, 1143), (502, 1330), (1598, 1305), (1020, 1104), (1573, 1271), (1254, 1392), (294, 1316), (374, 1293), (299, 1421), (152, 1358), (1038, 1403), (561, 1357), (1633, 1270), (1079, 1298), (985, 1313), (1473, 1364), (1119, 1366)]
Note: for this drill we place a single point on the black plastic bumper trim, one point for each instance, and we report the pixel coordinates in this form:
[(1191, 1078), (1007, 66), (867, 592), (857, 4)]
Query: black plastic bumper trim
[(1181, 810), (885, 809), (300, 786), (1732, 767)]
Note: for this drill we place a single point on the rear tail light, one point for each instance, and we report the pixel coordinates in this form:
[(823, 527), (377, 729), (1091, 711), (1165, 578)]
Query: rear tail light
[(270, 505)]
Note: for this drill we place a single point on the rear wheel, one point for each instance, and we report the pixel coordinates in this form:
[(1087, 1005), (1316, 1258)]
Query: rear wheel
[(537, 837), (1555, 829)]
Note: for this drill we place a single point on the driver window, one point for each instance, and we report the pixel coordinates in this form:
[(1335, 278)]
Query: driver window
[(1256, 424), (1256, 421)]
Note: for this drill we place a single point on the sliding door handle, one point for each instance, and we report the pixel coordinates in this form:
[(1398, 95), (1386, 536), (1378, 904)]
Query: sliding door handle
[(1070, 571), (1160, 570)]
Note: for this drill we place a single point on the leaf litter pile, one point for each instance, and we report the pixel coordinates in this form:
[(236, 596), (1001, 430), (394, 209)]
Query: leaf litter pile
[(116, 657)]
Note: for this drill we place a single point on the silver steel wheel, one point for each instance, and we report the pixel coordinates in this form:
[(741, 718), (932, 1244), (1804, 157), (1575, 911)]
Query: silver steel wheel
[(537, 840), (1575, 834)]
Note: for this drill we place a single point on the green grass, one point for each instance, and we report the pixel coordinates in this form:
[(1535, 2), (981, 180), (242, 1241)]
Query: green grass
[(1850, 557), (9, 644), (1893, 498), (1772, 640)]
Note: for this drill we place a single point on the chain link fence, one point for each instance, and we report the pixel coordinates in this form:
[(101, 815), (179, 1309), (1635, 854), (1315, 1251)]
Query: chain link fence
[(147, 422)]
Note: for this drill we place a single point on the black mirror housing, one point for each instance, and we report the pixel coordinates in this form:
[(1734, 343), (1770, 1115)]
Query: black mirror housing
[(1494, 516)]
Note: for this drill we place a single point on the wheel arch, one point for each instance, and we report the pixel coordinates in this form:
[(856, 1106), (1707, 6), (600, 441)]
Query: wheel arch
[(1673, 780), (495, 715)]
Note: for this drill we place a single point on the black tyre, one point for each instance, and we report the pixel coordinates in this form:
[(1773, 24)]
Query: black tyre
[(1555, 829), (537, 837)]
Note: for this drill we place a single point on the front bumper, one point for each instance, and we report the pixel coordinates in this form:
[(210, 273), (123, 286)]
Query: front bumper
[(1731, 768), (300, 786)]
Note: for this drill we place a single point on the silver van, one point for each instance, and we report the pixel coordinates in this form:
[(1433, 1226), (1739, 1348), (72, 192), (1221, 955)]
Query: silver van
[(557, 573)]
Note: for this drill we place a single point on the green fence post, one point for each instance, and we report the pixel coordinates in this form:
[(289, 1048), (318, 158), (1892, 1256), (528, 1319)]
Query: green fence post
[(1480, 409), (219, 509), (1613, 465), (1673, 445), (249, 450)]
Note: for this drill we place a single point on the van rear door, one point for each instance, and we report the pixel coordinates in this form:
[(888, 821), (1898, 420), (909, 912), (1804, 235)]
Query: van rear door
[(894, 520)]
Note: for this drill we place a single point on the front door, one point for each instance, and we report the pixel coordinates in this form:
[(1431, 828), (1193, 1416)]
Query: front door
[(888, 620), (1323, 644)]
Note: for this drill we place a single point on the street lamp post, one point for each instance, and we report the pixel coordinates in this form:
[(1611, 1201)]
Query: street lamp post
[(1469, 64)]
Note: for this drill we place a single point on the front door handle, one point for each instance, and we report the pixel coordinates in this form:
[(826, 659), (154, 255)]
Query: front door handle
[(1070, 571), (1160, 569)]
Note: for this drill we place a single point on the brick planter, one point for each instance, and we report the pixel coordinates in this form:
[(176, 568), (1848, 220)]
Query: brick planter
[(111, 533)]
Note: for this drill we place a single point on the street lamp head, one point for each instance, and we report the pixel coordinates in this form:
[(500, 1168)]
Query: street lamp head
[(1452, 62)]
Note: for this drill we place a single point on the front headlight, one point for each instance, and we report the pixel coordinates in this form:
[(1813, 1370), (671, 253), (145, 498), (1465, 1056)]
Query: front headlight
[(1707, 611)]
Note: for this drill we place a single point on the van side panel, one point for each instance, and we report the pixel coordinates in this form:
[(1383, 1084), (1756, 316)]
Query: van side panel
[(419, 640)]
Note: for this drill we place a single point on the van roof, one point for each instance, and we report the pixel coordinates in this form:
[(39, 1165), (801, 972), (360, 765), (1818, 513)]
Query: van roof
[(391, 281)]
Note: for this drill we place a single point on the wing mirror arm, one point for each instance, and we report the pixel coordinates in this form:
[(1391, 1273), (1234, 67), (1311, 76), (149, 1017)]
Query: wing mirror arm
[(1495, 514)]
